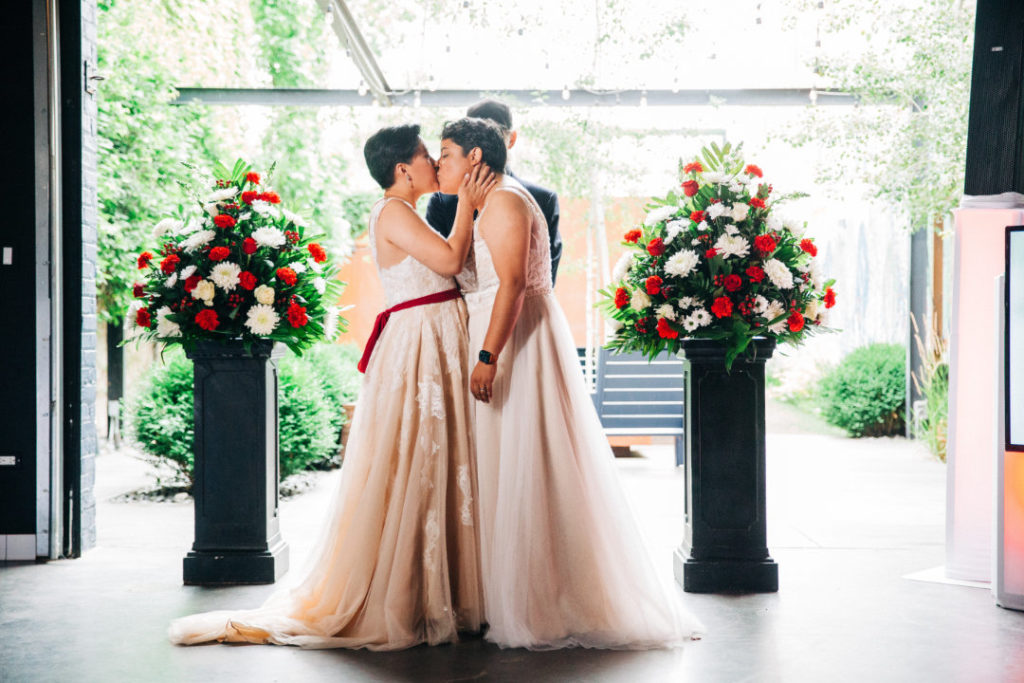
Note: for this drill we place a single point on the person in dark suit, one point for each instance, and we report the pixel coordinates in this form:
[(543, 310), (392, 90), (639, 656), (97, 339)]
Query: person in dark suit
[(441, 208)]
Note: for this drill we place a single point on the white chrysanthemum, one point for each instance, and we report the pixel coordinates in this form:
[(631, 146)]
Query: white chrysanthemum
[(221, 195), (775, 309), (211, 209), (264, 294), (198, 239), (265, 208), (760, 304), (165, 327), (225, 275), (773, 223), (716, 210), (686, 302), (736, 186), (269, 237), (672, 229), (168, 226), (681, 263), (695, 242), (666, 311), (703, 226), (294, 217), (794, 226), (660, 214), (204, 291), (639, 301), (715, 177), (812, 309), (187, 271), (261, 319), (739, 212), (690, 324), (732, 245), (778, 273), (298, 266), (732, 230), (622, 267), (701, 316), (817, 277), (189, 228), (320, 285), (171, 281)]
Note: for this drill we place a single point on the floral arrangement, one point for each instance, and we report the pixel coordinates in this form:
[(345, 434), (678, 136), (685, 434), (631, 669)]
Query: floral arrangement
[(245, 268), (713, 261)]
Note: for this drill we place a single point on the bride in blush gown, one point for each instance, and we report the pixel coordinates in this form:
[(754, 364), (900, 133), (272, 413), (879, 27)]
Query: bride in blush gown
[(563, 563), (397, 564)]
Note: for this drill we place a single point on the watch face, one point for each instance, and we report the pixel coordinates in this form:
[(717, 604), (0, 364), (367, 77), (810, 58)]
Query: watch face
[(485, 357)]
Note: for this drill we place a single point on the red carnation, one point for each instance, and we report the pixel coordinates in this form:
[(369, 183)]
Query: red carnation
[(191, 282), (247, 280), (249, 246), (830, 298), (222, 220), (796, 322), (653, 284), (137, 291), (756, 202), (722, 307), (755, 273), (270, 197), (633, 236), (656, 247), (297, 315), (253, 177), (753, 170), (693, 167), (621, 297), (144, 259), (764, 244), (665, 331), (142, 318), (690, 188), (710, 253), (733, 282), (219, 253), (317, 252), (697, 216), (287, 276), (207, 319), (808, 246), (169, 264), (249, 197)]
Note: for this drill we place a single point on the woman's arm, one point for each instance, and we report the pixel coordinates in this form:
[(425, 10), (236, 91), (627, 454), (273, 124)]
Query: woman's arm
[(505, 227)]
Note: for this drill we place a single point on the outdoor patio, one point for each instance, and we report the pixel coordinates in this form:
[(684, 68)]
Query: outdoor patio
[(849, 522)]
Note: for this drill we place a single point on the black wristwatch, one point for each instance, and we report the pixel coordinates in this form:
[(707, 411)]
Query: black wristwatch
[(486, 357)]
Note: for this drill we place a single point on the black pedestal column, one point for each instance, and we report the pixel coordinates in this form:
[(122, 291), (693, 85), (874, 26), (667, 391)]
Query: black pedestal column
[(237, 539), (725, 548)]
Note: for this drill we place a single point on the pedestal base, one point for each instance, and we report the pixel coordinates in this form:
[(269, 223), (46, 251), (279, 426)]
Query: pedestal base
[(725, 576), (230, 568)]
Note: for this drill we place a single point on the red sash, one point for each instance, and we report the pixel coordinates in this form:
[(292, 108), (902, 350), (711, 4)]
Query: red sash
[(382, 319)]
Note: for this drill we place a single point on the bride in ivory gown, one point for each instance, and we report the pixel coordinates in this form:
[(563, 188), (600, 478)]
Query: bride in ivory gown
[(397, 564), (563, 563)]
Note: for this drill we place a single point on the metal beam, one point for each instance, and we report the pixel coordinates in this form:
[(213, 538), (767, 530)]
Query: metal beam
[(344, 25), (270, 97)]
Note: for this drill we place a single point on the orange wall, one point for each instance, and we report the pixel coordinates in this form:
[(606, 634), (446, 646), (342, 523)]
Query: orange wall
[(366, 297)]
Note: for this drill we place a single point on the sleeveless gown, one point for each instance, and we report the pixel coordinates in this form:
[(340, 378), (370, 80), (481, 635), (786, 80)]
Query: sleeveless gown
[(563, 563), (398, 561)]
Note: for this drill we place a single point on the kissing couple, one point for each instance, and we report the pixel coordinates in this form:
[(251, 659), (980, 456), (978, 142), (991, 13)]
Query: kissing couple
[(478, 492)]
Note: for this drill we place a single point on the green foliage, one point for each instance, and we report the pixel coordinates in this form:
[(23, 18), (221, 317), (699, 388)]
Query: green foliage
[(931, 380), (309, 427), (864, 395), (161, 419)]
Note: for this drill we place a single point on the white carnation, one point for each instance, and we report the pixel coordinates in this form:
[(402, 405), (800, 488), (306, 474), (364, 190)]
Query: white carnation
[(681, 263), (778, 273), (205, 291), (261, 319), (701, 316), (732, 245), (716, 210), (198, 239), (211, 209), (673, 229), (660, 214), (686, 302), (817, 278), (294, 217), (739, 212), (703, 225), (760, 305), (773, 223), (812, 309), (622, 267), (221, 195), (264, 294), (316, 267), (225, 275), (695, 242), (298, 266), (666, 311), (639, 301), (265, 208), (187, 271), (269, 237), (167, 226), (732, 230), (320, 285), (165, 327), (736, 186), (775, 309), (171, 281), (794, 226)]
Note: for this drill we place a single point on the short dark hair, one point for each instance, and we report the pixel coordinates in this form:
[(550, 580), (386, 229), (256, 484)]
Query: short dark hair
[(471, 132), (492, 110), (388, 147)]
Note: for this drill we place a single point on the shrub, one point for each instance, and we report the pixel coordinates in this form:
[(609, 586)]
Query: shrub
[(865, 394), (161, 418)]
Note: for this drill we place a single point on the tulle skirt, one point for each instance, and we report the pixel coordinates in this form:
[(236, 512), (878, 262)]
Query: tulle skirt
[(398, 561), (563, 561)]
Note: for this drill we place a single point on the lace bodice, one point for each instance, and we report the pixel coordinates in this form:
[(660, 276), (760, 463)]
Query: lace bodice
[(538, 268), (407, 279)]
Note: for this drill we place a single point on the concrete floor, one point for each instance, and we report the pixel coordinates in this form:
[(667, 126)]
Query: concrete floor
[(848, 521)]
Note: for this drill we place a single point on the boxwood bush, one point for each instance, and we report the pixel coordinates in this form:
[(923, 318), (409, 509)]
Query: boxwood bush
[(313, 389), (865, 394)]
